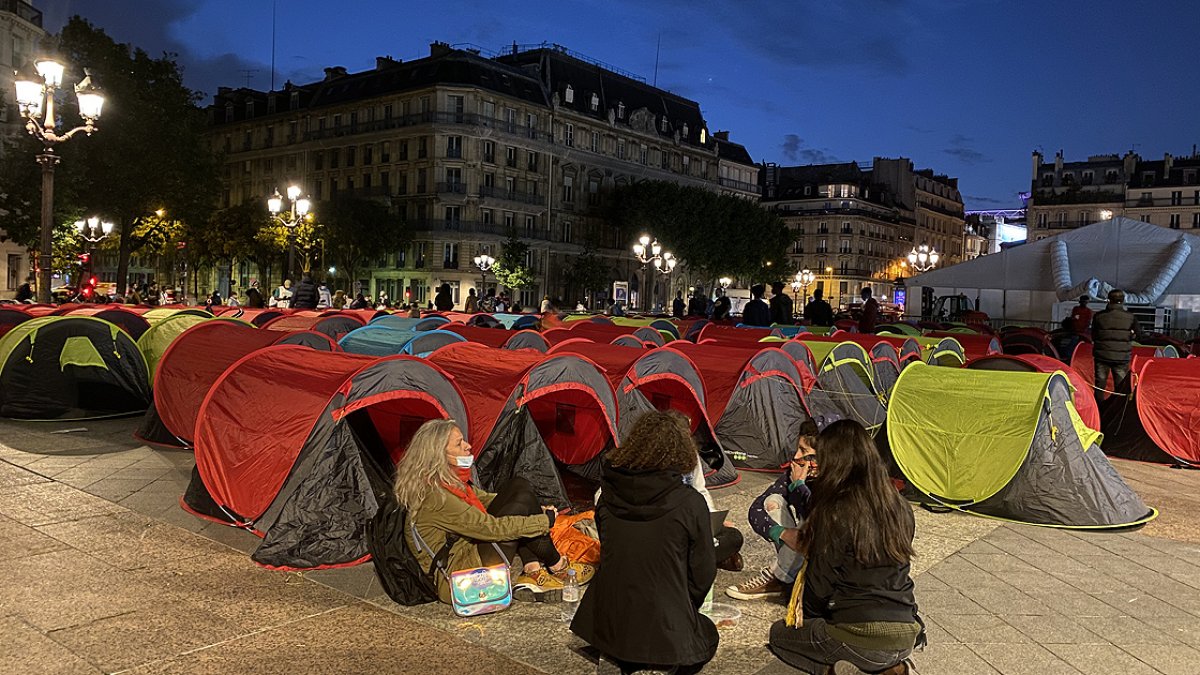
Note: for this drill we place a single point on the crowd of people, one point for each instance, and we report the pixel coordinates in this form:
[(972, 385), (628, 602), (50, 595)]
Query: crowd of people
[(842, 534)]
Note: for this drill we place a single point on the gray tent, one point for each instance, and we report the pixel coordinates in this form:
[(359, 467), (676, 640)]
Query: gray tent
[(1007, 445)]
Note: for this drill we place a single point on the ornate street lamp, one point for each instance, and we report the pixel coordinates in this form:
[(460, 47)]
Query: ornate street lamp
[(923, 258), (298, 209), (93, 231), (648, 251), (484, 262), (804, 279), (36, 86), (725, 282)]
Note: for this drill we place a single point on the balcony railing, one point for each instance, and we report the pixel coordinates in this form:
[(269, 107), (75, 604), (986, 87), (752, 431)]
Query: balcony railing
[(739, 185), (510, 195), (431, 117), (820, 211), (1189, 200), (455, 188)]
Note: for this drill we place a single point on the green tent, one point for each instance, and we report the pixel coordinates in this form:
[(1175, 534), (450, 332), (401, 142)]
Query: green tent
[(70, 367), (163, 332), (1008, 445), (942, 351), (846, 374)]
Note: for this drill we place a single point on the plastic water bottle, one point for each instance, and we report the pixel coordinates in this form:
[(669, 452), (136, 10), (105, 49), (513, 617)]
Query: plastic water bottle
[(570, 596)]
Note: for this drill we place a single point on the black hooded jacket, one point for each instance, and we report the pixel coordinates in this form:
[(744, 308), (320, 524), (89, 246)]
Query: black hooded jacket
[(305, 295), (657, 563)]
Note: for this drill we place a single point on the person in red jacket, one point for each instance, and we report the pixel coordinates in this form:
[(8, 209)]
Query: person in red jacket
[(1081, 316)]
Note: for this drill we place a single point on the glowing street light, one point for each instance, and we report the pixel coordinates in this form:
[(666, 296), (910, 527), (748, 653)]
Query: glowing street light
[(923, 258), (298, 209), (35, 88), (484, 262)]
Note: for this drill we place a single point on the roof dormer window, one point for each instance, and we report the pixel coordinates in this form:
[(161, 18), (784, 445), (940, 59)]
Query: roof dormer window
[(249, 108), (295, 100), (703, 136), (569, 97), (620, 110), (229, 112), (595, 102)]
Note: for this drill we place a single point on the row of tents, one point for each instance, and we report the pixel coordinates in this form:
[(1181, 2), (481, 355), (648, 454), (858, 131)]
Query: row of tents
[(295, 439)]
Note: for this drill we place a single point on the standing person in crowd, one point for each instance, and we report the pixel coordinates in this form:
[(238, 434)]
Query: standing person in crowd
[(339, 299), (233, 299), (781, 305), (433, 483), (383, 302), (698, 303), (444, 300), (24, 293), (1113, 331), (657, 559), (324, 296), (721, 308), (360, 302), (776, 516), (472, 304), (870, 312), (547, 306), (818, 312), (214, 300), (677, 305), (1081, 316), (756, 312), (152, 295), (857, 603), (1065, 339), (305, 296), (488, 303), (254, 296), (282, 297), (501, 303)]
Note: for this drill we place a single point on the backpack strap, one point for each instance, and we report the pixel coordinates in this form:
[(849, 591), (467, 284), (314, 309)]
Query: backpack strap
[(440, 558)]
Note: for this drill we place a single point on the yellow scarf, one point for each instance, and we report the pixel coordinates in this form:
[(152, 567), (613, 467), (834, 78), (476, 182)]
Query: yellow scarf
[(795, 610)]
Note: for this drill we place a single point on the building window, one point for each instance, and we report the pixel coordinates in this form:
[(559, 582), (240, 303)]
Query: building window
[(530, 227), (569, 132), (456, 107), (422, 147), (595, 103), (1195, 221), (488, 110), (844, 246), (454, 181), (510, 156), (509, 220), (385, 152), (419, 256), (454, 146), (1087, 178), (621, 148), (566, 231), (453, 217), (568, 189), (450, 255), (595, 141), (569, 95), (367, 153), (489, 152), (531, 161), (1176, 197), (1148, 178), (531, 124), (421, 183), (335, 158), (593, 192), (620, 110), (385, 181), (1110, 176), (403, 147), (318, 160), (402, 183), (644, 155), (487, 216), (350, 152), (1174, 221)]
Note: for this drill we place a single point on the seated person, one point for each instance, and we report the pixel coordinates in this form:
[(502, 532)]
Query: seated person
[(776, 516), (657, 560), (433, 483), (856, 604)]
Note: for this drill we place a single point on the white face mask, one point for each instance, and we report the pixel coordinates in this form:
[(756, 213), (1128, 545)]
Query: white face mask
[(464, 461)]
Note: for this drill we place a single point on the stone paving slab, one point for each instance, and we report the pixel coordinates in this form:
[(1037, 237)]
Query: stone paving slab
[(107, 573)]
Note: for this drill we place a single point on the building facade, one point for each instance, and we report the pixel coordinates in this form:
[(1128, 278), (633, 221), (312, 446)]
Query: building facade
[(466, 148), (1067, 195), (854, 225), (20, 32)]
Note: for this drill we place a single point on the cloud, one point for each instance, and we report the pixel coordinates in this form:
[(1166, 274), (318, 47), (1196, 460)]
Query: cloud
[(149, 25), (960, 147), (794, 150), (980, 199)]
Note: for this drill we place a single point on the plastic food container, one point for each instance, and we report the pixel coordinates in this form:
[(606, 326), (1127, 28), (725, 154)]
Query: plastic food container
[(723, 615)]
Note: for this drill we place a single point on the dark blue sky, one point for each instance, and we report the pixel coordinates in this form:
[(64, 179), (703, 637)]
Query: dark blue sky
[(966, 87)]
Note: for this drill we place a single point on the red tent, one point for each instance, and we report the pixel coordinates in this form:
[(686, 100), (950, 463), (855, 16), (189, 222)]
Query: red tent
[(130, 322), (293, 443), (335, 326), (755, 399), (1085, 401), (1168, 407), (1083, 362), (193, 362), (500, 338), (607, 333), (529, 410), (12, 316), (725, 334)]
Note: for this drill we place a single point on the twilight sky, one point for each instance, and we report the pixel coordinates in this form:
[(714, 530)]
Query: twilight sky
[(966, 87)]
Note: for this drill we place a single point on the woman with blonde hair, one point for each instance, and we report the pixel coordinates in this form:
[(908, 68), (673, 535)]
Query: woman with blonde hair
[(657, 555), (433, 483)]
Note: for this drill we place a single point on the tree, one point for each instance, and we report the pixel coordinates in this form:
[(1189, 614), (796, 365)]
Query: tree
[(234, 231), (150, 151), (714, 235), (357, 231), (587, 273), (510, 269)]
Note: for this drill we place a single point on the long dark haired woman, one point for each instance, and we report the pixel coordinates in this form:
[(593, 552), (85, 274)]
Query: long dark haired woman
[(657, 558), (857, 599)]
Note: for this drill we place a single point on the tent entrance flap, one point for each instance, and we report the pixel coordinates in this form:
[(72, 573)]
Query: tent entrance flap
[(78, 350), (571, 422), (394, 417)]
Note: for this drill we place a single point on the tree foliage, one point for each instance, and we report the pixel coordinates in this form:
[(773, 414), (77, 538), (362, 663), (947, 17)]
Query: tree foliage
[(357, 230), (588, 273), (510, 269), (150, 151), (714, 235)]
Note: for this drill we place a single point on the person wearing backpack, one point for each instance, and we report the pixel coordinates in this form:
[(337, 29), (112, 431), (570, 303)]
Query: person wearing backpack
[(433, 485)]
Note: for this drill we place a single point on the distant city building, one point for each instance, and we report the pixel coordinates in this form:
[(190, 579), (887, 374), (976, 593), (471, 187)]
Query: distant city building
[(20, 32), (1067, 195), (466, 147), (855, 224), (994, 228)]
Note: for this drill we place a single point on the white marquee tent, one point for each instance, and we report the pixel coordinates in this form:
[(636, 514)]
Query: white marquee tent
[(1154, 265)]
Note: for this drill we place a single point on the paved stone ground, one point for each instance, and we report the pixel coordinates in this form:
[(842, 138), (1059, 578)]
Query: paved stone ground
[(107, 574)]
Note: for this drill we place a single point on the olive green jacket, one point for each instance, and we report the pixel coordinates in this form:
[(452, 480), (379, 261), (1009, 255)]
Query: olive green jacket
[(443, 512)]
